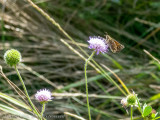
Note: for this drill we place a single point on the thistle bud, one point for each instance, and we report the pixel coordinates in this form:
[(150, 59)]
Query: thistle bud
[(12, 57)]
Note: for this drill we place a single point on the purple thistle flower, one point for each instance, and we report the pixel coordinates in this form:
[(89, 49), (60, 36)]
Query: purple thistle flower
[(98, 44), (43, 95)]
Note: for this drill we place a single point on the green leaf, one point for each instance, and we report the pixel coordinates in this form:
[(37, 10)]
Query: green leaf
[(147, 110), (155, 4), (82, 82), (114, 61), (14, 101), (153, 116), (157, 96), (16, 112)]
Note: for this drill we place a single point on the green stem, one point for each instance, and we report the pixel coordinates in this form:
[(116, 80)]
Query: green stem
[(110, 79), (3, 32), (139, 106), (2, 26), (85, 71), (25, 90), (43, 109), (131, 113)]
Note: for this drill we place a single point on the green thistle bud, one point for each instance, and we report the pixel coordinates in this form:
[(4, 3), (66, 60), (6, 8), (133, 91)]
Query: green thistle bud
[(12, 57), (131, 99)]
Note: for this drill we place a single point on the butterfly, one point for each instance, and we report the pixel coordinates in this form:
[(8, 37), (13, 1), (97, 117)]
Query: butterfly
[(113, 44)]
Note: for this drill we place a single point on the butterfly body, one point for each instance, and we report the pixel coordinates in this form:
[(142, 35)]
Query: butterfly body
[(113, 44)]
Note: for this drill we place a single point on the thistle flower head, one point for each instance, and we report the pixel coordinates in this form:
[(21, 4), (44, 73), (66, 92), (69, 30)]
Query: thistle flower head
[(43, 95), (12, 57), (98, 44)]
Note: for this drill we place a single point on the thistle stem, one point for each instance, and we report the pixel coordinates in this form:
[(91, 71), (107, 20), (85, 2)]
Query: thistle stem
[(43, 109), (85, 71), (139, 106), (25, 90), (131, 113)]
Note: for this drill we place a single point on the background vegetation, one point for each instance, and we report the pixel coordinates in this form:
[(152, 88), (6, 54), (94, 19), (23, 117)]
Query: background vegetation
[(50, 64)]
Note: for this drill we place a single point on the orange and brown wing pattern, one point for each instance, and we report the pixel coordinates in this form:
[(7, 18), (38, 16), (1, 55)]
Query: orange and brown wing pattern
[(113, 44)]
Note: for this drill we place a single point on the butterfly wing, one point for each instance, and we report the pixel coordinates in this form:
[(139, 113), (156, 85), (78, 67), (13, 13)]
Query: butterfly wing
[(112, 46), (119, 46)]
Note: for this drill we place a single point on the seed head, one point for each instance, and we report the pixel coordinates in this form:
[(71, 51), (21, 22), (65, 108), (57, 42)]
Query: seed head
[(12, 57)]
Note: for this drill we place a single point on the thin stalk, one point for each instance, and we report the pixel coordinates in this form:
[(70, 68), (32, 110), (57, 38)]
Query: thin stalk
[(139, 106), (73, 115), (131, 113), (85, 71), (25, 90), (121, 82), (3, 36), (111, 80), (43, 109), (2, 24)]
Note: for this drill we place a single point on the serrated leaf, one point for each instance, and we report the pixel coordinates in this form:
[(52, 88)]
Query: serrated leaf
[(147, 110)]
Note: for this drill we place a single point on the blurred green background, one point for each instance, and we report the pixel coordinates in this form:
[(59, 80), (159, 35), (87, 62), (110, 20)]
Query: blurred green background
[(52, 65)]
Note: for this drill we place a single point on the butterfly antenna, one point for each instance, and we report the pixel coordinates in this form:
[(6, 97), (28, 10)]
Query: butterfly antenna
[(106, 33)]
